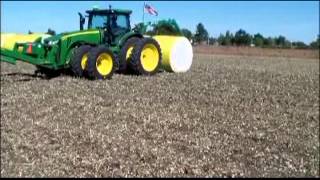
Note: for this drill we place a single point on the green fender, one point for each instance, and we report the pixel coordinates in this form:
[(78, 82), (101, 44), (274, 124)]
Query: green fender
[(70, 41), (128, 36)]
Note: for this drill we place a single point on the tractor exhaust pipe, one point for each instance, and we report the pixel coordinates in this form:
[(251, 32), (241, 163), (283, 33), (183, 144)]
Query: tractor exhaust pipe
[(82, 20)]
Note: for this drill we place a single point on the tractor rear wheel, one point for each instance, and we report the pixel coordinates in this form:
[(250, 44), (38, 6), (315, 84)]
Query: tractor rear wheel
[(125, 53), (146, 57), (101, 63), (79, 60)]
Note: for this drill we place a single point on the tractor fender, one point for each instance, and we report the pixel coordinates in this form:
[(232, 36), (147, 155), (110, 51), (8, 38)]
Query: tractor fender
[(69, 41), (74, 45), (128, 36)]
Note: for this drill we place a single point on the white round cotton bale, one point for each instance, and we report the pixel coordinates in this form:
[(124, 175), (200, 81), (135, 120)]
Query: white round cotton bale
[(177, 53)]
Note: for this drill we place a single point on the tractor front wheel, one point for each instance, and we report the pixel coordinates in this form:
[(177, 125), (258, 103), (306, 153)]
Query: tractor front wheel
[(146, 57), (79, 60), (101, 63)]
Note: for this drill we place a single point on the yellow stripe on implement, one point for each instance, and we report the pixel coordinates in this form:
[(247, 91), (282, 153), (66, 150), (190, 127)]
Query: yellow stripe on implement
[(8, 40), (177, 53)]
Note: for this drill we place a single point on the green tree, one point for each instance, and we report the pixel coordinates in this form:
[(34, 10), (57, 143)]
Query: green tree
[(315, 44), (228, 39), (258, 40), (187, 33), (165, 27), (299, 45), (287, 44), (201, 33), (221, 40), (242, 38), (269, 42), (212, 41), (280, 41)]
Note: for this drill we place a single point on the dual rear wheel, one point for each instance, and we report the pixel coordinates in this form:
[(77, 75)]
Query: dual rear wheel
[(101, 63), (93, 62), (141, 56)]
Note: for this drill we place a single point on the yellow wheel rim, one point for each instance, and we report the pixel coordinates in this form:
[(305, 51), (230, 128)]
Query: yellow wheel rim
[(129, 52), (149, 57), (84, 61), (104, 64)]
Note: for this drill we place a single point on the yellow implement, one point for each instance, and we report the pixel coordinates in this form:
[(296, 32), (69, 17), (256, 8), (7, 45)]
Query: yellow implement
[(8, 40)]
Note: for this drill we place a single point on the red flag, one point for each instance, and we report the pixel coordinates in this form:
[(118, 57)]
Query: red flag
[(150, 10)]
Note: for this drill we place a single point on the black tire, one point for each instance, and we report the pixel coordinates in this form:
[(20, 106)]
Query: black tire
[(135, 61), (76, 59), (93, 61), (123, 61)]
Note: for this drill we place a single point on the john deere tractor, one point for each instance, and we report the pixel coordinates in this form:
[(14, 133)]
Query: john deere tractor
[(108, 44)]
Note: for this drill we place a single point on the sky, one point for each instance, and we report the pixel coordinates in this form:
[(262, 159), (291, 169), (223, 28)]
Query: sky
[(296, 20)]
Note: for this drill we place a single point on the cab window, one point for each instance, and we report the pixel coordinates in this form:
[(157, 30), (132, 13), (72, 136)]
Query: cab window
[(122, 21), (98, 21)]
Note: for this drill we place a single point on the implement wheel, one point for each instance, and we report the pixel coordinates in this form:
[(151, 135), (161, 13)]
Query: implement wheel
[(146, 57), (79, 60), (101, 63), (125, 53)]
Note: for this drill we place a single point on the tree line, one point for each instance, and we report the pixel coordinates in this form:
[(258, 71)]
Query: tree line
[(242, 38), (239, 38)]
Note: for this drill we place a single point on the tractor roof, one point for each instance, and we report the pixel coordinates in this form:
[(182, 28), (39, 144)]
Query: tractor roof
[(109, 11)]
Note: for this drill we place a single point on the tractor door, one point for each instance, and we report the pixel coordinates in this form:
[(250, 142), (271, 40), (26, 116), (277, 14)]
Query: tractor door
[(119, 26), (115, 25), (101, 21)]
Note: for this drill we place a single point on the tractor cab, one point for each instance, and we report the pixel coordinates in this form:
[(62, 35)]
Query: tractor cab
[(114, 22)]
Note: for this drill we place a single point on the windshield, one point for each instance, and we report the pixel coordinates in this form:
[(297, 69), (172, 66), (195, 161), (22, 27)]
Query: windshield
[(98, 21), (120, 22)]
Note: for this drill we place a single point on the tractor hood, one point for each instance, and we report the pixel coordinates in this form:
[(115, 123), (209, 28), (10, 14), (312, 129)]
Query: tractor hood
[(51, 39), (65, 35)]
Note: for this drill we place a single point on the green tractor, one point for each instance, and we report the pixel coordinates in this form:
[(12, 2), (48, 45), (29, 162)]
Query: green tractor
[(107, 45)]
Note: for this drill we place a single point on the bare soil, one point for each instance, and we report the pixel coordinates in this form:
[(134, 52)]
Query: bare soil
[(253, 51), (229, 116)]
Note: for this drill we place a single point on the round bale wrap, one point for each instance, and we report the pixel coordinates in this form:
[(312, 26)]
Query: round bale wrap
[(177, 53)]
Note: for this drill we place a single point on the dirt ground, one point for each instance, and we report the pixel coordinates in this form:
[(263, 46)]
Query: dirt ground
[(252, 51), (229, 116)]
